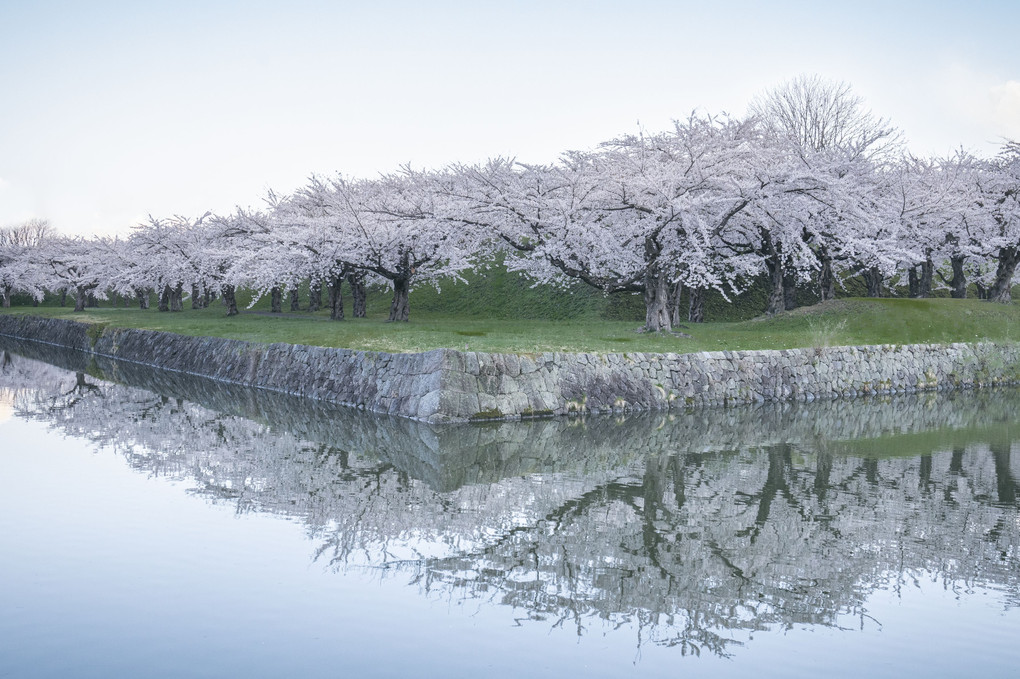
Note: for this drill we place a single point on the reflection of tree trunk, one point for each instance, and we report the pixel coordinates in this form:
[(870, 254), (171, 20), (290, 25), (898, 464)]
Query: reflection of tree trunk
[(276, 300), (823, 472), (359, 294), (1004, 482), (925, 472), (870, 466), (956, 461), (696, 308), (653, 489), (653, 484), (775, 481), (679, 492)]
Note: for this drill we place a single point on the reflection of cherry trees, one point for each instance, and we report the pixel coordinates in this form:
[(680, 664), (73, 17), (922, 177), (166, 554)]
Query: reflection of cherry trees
[(695, 528)]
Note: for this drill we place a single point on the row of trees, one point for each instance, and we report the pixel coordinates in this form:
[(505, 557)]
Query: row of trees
[(806, 190)]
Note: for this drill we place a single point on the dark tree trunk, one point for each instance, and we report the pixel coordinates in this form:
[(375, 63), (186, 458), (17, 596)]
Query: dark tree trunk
[(400, 308), (92, 301), (359, 294), (7, 296), (315, 296), (675, 291), (826, 277), (959, 280), (230, 299), (873, 279), (63, 297), (982, 291), (696, 308), (336, 299), (1002, 288), (164, 298), (177, 298), (789, 291), (656, 292), (208, 297), (913, 282), (35, 301), (777, 299), (924, 282), (80, 297), (657, 316), (142, 297), (276, 300), (295, 300), (196, 296)]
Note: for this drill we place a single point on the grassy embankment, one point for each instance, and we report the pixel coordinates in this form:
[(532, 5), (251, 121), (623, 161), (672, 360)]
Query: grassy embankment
[(842, 322), (499, 310)]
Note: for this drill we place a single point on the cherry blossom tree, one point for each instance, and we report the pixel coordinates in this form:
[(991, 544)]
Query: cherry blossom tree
[(80, 265), (19, 246), (935, 202), (840, 144), (640, 214), (322, 233), (168, 250), (1002, 201), (405, 231)]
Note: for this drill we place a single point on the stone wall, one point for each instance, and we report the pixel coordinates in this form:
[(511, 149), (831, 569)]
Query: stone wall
[(493, 385), (399, 384), (450, 386)]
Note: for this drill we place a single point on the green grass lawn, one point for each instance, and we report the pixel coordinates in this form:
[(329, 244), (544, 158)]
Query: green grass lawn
[(841, 322)]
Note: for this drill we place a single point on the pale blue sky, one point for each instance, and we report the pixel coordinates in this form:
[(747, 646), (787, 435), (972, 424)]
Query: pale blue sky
[(109, 112)]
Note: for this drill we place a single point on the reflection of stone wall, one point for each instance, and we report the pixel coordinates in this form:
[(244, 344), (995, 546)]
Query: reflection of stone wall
[(446, 385), (695, 523), (448, 457)]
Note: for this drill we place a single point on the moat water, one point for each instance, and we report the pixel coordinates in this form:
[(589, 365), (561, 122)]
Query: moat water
[(153, 524)]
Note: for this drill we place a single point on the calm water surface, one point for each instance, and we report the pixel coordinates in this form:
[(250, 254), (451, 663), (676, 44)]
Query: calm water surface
[(157, 525)]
